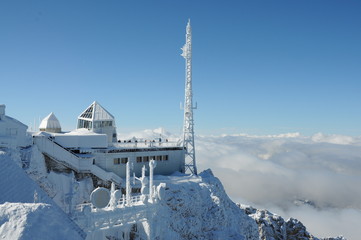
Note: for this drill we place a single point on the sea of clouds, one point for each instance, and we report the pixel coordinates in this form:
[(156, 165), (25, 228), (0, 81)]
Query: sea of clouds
[(315, 179)]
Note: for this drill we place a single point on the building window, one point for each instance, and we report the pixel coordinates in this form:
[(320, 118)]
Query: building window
[(159, 158), (146, 159), (124, 160), (116, 161), (84, 124), (139, 159), (101, 124), (165, 157)]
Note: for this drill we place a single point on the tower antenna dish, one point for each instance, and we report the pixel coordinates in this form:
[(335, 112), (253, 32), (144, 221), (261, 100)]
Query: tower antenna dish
[(188, 125)]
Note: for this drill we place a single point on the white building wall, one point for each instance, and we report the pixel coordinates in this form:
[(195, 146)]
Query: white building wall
[(174, 163), (12, 132), (81, 141)]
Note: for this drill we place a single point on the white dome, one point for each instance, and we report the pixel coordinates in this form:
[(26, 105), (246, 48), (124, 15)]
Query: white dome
[(50, 124)]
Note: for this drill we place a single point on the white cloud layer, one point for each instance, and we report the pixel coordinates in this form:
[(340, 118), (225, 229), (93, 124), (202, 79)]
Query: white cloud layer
[(282, 172)]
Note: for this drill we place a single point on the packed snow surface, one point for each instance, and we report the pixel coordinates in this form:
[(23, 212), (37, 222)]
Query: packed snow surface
[(35, 221), (16, 186)]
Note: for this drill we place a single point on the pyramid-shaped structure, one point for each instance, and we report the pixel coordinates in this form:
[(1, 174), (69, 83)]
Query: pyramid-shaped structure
[(96, 119), (95, 112), (50, 124)]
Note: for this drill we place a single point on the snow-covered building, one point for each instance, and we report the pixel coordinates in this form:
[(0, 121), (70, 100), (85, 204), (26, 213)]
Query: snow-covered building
[(12, 131), (93, 148)]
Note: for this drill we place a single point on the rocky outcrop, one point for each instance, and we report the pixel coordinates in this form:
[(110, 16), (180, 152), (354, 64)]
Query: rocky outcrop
[(274, 227)]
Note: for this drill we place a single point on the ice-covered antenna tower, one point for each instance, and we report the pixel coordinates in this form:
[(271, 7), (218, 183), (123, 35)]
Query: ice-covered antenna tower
[(188, 127)]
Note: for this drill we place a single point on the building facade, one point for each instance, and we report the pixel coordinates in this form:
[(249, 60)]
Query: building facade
[(12, 132)]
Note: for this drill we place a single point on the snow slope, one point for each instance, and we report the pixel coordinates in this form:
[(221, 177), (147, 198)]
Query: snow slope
[(15, 184), (199, 208), (35, 221), (20, 217)]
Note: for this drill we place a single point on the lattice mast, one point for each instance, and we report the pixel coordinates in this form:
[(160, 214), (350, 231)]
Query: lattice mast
[(188, 127)]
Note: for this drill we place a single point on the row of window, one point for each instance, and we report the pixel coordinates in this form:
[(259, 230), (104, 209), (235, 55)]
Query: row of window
[(88, 113), (157, 158), (97, 124), (100, 124), (84, 124), (120, 160), (124, 160)]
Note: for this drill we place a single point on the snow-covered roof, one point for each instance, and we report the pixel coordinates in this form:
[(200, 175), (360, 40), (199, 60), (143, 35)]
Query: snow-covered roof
[(95, 112), (50, 122)]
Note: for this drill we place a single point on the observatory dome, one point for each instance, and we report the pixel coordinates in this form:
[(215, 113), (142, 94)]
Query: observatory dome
[(50, 124)]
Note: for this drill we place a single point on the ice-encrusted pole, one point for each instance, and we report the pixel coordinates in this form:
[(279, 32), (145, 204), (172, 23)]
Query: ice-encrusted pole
[(152, 165), (113, 200), (143, 181), (128, 187)]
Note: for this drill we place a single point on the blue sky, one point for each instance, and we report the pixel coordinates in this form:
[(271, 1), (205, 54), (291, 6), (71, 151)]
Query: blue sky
[(259, 67)]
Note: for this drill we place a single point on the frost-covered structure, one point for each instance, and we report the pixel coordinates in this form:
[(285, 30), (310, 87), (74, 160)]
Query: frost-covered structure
[(12, 131), (50, 124)]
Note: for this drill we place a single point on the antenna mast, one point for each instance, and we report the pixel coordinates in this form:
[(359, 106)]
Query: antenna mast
[(188, 132)]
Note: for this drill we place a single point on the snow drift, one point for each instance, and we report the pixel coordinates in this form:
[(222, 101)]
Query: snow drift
[(35, 221)]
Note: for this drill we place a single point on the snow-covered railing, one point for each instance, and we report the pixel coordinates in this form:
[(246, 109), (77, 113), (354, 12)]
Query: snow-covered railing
[(122, 203), (141, 143), (105, 175), (134, 200), (89, 217)]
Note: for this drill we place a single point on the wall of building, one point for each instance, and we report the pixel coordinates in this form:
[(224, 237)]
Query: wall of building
[(12, 132), (116, 162), (81, 141)]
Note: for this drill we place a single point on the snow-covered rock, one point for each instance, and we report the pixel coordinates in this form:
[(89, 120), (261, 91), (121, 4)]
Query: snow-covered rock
[(274, 227), (199, 208)]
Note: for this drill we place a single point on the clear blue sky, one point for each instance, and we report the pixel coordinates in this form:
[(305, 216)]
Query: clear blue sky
[(259, 67)]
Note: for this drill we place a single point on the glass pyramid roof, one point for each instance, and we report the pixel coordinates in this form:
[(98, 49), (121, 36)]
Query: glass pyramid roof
[(95, 112)]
